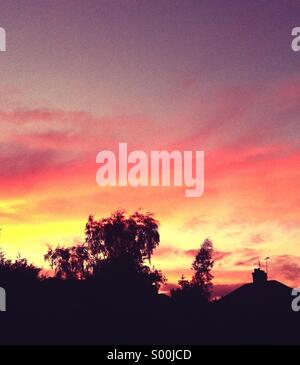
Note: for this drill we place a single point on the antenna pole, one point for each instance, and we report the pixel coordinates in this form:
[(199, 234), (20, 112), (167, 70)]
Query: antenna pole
[(266, 259)]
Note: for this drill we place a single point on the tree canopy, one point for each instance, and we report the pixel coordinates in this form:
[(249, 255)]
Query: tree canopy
[(117, 245), (200, 286)]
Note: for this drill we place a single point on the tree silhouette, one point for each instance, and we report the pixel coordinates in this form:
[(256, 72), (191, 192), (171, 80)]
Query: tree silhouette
[(17, 272), (115, 250), (202, 266), (183, 283), (69, 262), (118, 301), (199, 287), (136, 236)]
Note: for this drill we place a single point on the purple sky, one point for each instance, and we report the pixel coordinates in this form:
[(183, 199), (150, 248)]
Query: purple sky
[(107, 56)]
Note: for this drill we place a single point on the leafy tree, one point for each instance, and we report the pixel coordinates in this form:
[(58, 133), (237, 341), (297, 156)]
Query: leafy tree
[(200, 286), (17, 272), (202, 267), (136, 236), (115, 247), (69, 262), (183, 283)]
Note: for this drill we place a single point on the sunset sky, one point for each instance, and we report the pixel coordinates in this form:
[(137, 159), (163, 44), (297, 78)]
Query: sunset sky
[(220, 76)]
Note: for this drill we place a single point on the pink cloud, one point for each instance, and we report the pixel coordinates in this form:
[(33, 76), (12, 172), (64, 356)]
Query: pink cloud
[(285, 267), (257, 238)]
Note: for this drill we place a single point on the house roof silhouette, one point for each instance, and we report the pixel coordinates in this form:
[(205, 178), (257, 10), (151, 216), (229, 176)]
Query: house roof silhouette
[(257, 313), (262, 295)]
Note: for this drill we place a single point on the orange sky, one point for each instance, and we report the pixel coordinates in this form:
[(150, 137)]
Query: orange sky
[(249, 208)]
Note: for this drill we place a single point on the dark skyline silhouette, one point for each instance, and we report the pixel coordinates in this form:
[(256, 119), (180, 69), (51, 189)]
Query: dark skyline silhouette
[(104, 292)]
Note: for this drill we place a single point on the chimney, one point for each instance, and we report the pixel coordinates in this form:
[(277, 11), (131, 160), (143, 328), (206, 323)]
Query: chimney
[(259, 276)]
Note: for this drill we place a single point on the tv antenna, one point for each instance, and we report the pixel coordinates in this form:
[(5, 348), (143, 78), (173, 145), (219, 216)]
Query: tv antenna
[(266, 259)]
